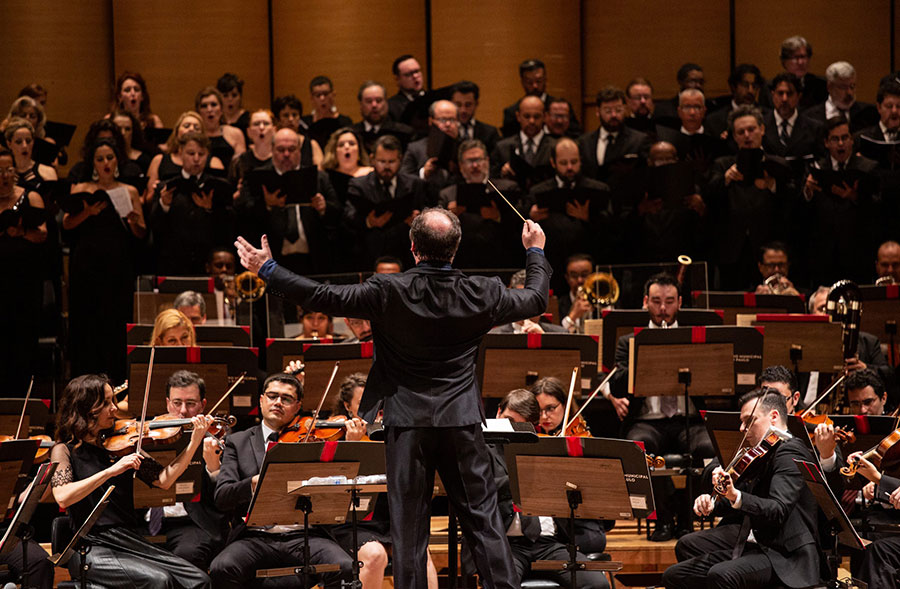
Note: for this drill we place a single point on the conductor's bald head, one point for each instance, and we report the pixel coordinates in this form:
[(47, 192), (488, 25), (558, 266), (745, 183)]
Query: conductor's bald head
[(435, 235)]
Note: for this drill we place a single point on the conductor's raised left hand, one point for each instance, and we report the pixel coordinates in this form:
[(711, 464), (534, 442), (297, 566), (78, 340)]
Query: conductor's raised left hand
[(253, 258)]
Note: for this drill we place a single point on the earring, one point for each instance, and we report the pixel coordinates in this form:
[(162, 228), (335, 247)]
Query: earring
[(116, 173), (95, 176)]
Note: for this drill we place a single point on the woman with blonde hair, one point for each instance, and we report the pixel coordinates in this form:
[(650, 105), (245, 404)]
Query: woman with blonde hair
[(173, 328), (168, 165)]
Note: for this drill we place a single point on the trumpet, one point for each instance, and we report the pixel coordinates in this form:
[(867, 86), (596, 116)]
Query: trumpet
[(600, 289), (246, 286), (774, 283)]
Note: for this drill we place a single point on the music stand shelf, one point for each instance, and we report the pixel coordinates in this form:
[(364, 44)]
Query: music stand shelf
[(805, 342), (733, 304)]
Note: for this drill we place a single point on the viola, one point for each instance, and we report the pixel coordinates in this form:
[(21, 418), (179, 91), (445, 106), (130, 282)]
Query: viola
[(163, 430), (885, 456), (323, 430), (748, 460), (46, 443)]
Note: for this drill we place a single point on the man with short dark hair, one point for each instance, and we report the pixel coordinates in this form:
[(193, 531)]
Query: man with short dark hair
[(531, 144), (558, 118), (870, 143), (410, 85), (255, 548), (887, 261), (428, 323), (745, 82), (689, 75), (388, 265), (574, 307), (381, 205), (533, 76), (784, 381), (613, 145), (376, 120), (790, 134), (639, 98), (866, 393), (465, 97), (774, 266)]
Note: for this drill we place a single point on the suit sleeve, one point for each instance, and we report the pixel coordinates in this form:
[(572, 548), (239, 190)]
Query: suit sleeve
[(231, 490), (784, 489), (517, 304), (364, 301)]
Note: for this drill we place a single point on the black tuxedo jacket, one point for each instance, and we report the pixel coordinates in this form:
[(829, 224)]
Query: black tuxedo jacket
[(716, 123), (862, 115), (630, 149), (507, 146), (204, 512), (404, 133), (396, 105), (511, 123), (805, 139), (415, 157), (783, 515), (427, 324), (487, 134), (814, 90), (241, 461)]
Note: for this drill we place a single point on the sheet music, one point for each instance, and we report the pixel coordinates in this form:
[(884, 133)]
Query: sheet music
[(121, 200)]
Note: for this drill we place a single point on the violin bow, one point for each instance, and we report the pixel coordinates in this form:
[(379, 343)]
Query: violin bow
[(227, 393), (562, 432), (591, 398), (24, 407), (515, 210), (322, 401), (137, 448), (823, 396)]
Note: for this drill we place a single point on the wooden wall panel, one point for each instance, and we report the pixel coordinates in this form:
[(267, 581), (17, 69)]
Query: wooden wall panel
[(624, 39), (857, 31), (65, 47), (349, 42), (180, 47), (486, 41)]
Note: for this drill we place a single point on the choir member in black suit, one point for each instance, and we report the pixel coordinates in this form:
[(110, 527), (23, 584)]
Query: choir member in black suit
[(887, 261), (689, 75), (324, 111), (789, 133), (489, 227), (775, 506), (575, 211), (442, 115), (465, 97), (842, 211), (745, 82), (530, 144), (427, 324), (558, 118), (533, 76), (410, 83), (249, 548), (796, 53), (639, 99), (746, 212), (879, 142), (381, 205), (841, 101), (693, 141), (614, 147), (376, 122)]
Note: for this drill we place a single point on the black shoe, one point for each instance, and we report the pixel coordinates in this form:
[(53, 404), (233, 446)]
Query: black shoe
[(679, 532), (664, 532)]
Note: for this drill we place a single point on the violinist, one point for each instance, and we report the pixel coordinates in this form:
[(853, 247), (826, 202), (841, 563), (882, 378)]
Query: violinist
[(195, 531), (784, 381), (255, 548), (658, 421), (119, 555), (552, 397), (539, 538), (768, 532), (866, 393)]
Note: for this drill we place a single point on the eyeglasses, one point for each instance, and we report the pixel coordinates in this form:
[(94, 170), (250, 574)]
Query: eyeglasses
[(867, 402), (285, 399), (691, 107), (473, 160), (549, 409), (839, 138), (411, 73), (800, 57), (608, 110), (446, 121)]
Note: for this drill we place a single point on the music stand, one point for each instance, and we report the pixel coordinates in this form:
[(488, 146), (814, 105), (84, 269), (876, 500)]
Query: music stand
[(882, 307), (16, 459), (593, 478), (280, 497), (839, 526), (79, 540), (723, 428), (733, 304), (37, 416), (806, 342)]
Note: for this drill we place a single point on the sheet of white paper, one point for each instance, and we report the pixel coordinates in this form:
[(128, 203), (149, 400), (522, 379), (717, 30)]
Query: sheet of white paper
[(497, 425), (121, 200)]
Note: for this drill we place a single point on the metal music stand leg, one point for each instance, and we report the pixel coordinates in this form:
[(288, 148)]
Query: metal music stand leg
[(83, 549), (305, 505), (25, 533), (354, 503), (684, 377), (452, 534), (574, 497)]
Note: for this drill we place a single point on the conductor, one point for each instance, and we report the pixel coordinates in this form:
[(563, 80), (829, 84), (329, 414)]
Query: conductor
[(427, 324)]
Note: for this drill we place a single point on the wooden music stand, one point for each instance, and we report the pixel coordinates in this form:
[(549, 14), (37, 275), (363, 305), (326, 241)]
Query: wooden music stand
[(20, 528), (881, 311), (37, 416), (591, 481), (805, 342), (220, 367), (281, 499), (79, 541), (618, 322), (724, 428), (187, 487), (733, 304), (515, 361), (16, 460)]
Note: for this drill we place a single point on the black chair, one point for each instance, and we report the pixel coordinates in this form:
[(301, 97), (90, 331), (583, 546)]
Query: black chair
[(548, 584), (60, 535)]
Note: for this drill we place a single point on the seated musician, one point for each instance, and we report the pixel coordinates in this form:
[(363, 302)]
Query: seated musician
[(195, 531), (866, 393), (573, 307), (551, 398), (767, 535), (784, 381), (533, 325), (119, 555), (192, 305), (277, 546), (360, 328), (657, 421), (868, 355), (774, 265), (316, 325), (173, 328), (537, 538)]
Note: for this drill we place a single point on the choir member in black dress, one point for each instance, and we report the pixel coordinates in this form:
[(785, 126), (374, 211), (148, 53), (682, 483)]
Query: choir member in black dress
[(344, 159), (226, 142), (31, 110), (19, 136), (20, 256), (168, 165), (131, 131), (101, 268), (324, 118), (260, 132), (232, 89), (131, 94), (129, 171), (189, 219), (119, 554)]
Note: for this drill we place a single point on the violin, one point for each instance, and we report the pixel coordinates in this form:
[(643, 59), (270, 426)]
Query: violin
[(841, 434), (748, 460), (884, 456), (323, 430), (163, 430)]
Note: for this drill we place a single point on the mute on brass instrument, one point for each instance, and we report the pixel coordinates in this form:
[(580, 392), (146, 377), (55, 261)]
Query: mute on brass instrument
[(774, 283), (885, 280)]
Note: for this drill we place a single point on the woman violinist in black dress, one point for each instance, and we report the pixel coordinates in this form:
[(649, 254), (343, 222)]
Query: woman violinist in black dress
[(101, 267), (119, 554), (21, 254)]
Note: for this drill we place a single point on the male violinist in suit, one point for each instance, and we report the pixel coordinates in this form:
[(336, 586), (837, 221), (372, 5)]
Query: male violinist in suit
[(767, 535), (427, 324)]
